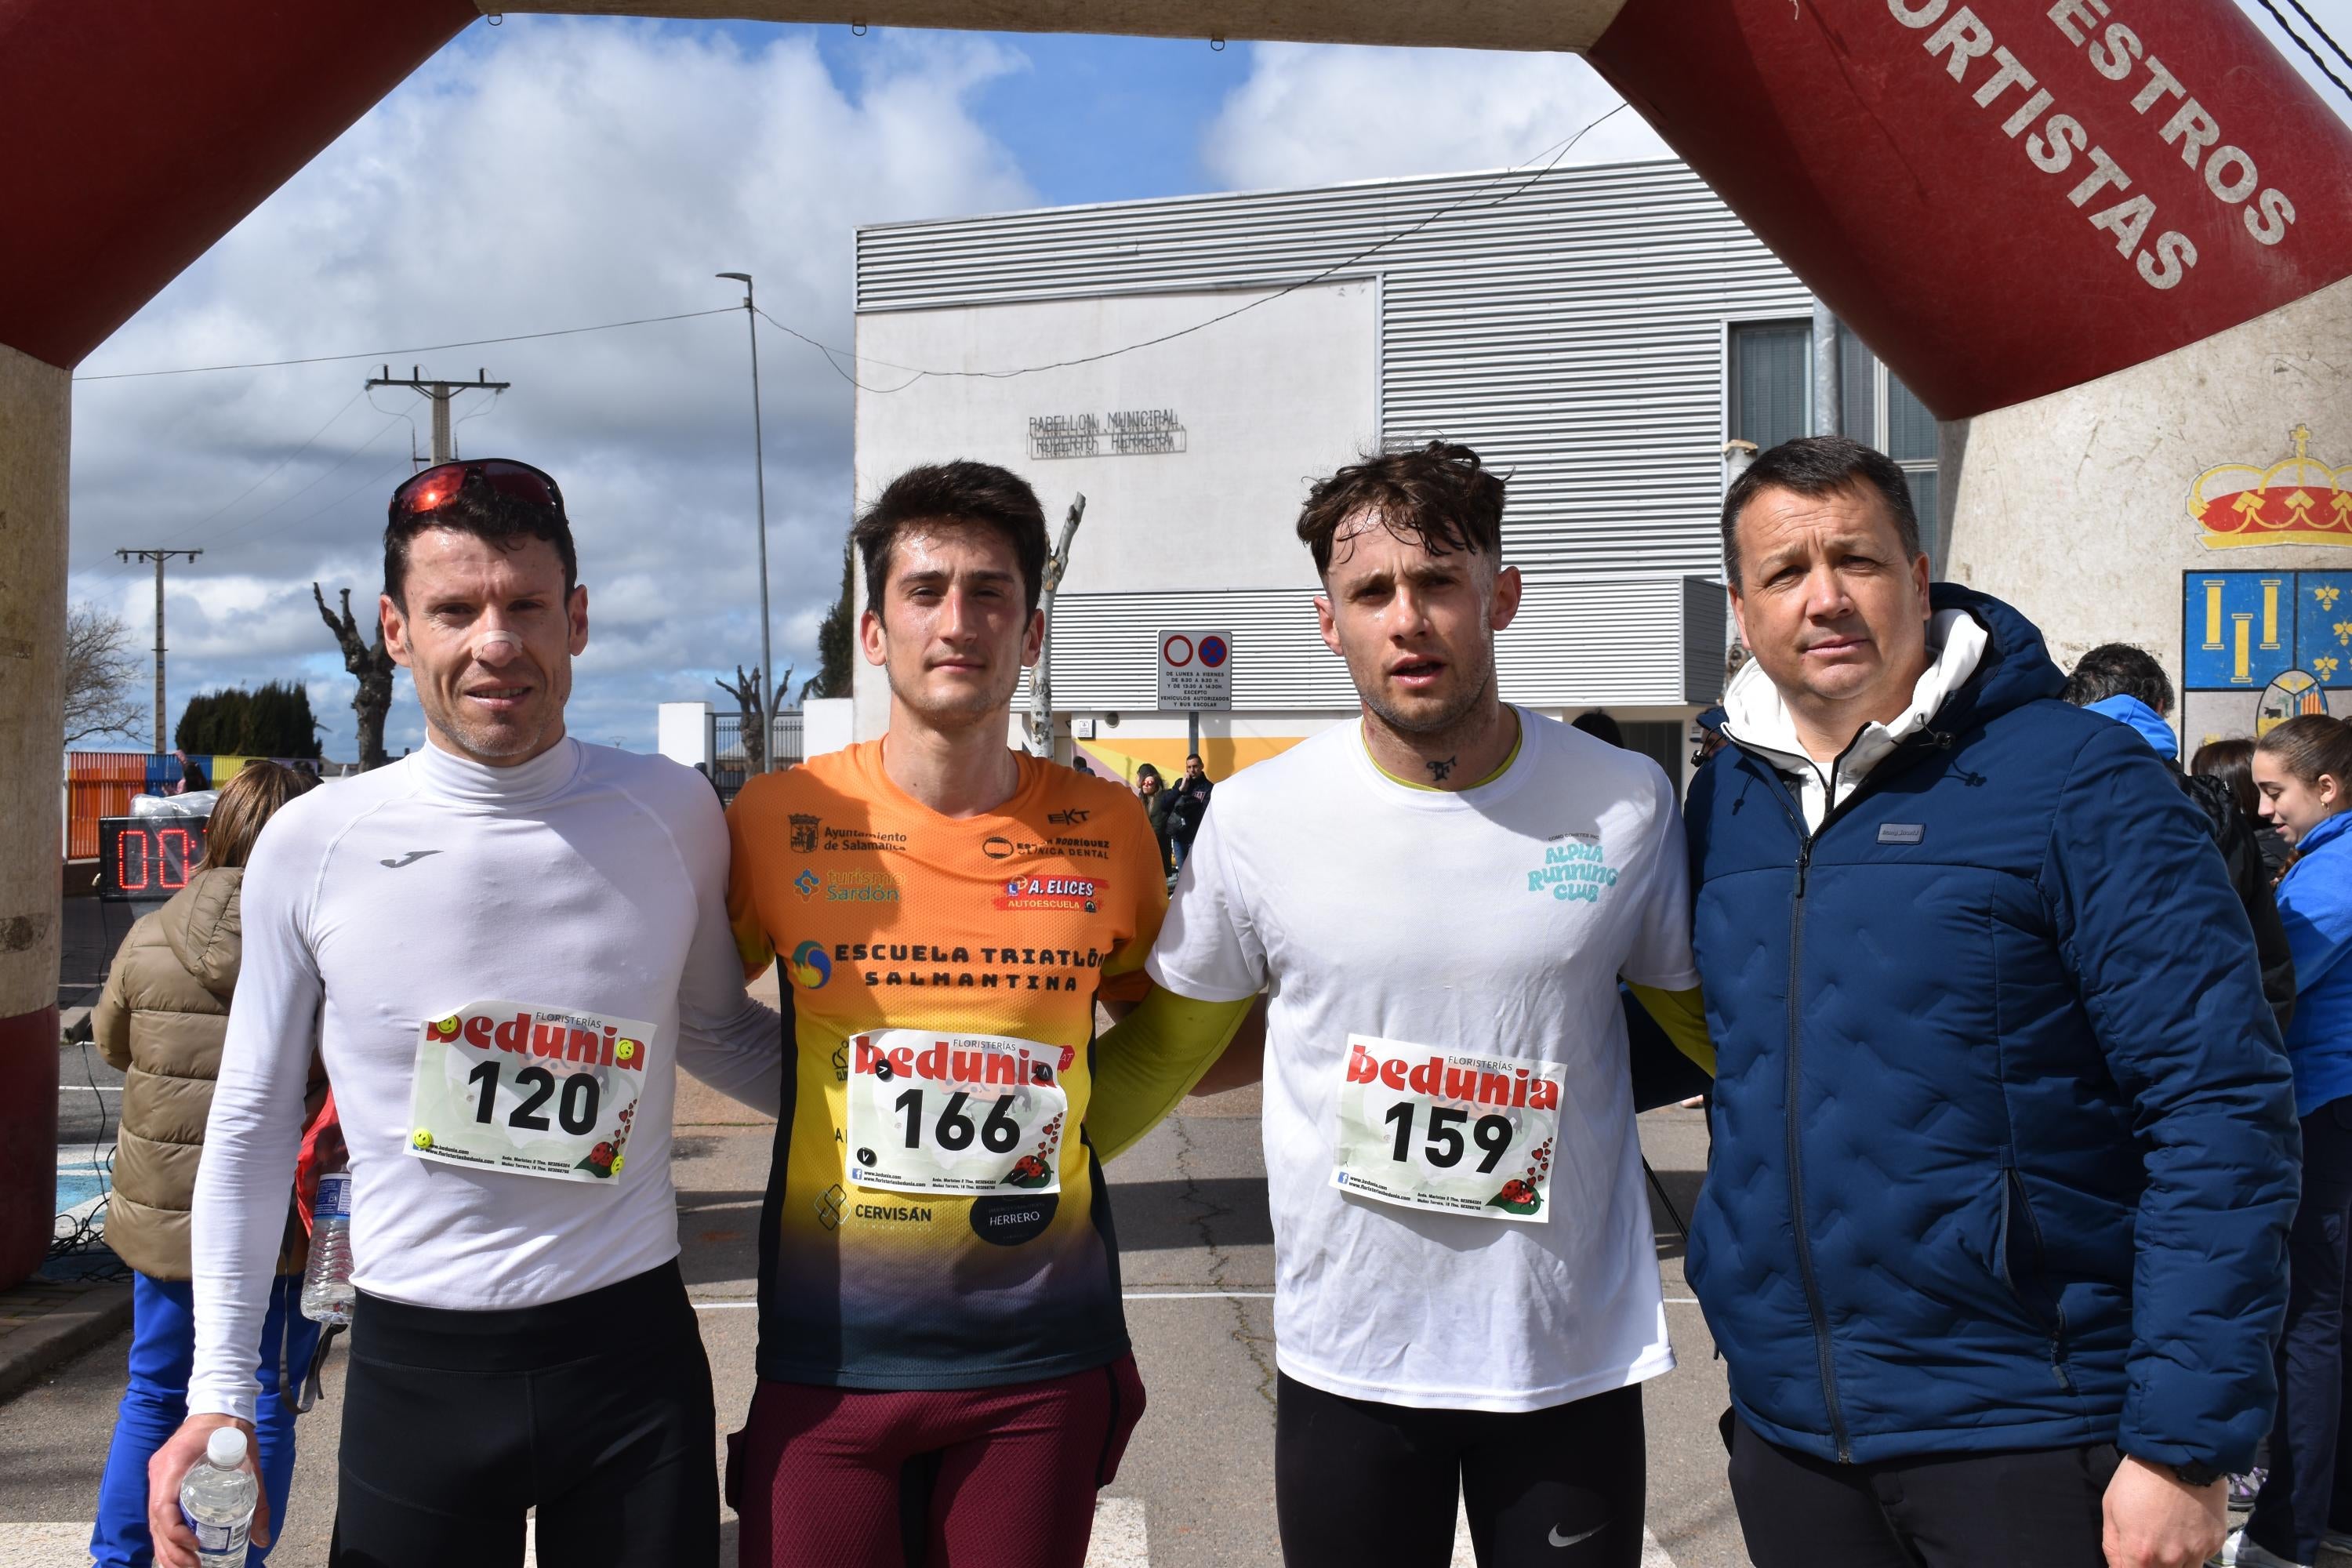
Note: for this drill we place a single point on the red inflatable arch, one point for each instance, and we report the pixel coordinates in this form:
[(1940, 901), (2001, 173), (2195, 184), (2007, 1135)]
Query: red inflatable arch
[(2106, 239)]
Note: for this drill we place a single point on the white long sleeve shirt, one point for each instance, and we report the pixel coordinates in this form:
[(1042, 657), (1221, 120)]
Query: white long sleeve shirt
[(587, 881)]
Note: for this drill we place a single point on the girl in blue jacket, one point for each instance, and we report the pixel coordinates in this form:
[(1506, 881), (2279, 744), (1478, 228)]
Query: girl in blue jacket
[(2303, 772)]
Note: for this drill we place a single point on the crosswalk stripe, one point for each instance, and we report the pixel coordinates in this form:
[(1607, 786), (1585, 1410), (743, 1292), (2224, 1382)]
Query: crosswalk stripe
[(1119, 1540)]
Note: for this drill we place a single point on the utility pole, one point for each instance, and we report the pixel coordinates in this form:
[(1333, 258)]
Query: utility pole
[(439, 393), (158, 557), (759, 477)]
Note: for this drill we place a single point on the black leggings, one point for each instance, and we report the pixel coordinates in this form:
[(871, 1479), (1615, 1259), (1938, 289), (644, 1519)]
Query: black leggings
[(1358, 1482), (597, 1410)]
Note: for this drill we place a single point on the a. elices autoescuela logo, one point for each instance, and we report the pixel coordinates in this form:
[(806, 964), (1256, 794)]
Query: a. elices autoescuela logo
[(1079, 893)]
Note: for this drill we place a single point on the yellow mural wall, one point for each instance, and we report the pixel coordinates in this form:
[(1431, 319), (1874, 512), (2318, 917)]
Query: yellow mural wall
[(1222, 755)]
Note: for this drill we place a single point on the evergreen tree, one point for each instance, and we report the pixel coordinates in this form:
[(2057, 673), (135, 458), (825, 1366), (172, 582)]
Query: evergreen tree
[(274, 722), (834, 645)]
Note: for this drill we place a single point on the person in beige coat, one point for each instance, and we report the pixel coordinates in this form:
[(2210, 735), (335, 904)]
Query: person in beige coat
[(160, 1021)]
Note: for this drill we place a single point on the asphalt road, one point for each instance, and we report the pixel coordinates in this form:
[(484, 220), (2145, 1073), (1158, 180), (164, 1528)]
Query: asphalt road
[(1195, 1490)]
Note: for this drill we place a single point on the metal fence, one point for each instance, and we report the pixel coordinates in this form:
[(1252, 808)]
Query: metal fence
[(730, 760)]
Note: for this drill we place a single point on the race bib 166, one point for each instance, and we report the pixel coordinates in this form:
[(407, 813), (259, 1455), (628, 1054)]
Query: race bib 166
[(967, 1114)]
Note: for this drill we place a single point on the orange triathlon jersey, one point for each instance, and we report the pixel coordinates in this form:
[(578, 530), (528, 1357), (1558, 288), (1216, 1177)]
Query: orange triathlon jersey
[(935, 1218)]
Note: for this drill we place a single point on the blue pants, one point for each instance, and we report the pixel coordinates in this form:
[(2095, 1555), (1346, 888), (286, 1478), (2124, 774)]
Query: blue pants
[(2306, 1492), (163, 1347)]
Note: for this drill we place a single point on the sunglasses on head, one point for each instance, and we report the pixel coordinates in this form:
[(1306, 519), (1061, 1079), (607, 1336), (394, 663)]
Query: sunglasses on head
[(426, 493)]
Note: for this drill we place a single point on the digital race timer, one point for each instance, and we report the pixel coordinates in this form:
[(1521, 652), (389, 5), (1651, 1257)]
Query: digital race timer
[(148, 857)]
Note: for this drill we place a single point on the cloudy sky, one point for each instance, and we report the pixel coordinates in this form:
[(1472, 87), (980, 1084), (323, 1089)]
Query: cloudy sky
[(550, 174)]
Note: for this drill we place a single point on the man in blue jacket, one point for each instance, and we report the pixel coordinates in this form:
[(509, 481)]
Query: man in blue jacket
[(1993, 1232)]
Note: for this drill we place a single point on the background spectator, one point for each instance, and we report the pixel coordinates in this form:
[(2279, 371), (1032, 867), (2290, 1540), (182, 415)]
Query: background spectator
[(1153, 791), (1188, 808), (2125, 683), (1600, 726), (160, 1021), (2303, 770), (2233, 763)]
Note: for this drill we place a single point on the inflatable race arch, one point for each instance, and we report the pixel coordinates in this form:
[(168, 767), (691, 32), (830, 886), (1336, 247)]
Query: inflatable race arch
[(2107, 241)]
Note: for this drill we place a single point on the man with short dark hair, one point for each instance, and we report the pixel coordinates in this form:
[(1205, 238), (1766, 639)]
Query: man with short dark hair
[(504, 946), (1188, 808), (1993, 1234), (1440, 901), (2127, 684), (943, 1359)]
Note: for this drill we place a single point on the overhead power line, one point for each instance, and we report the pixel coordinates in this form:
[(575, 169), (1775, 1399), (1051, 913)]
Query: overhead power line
[(2325, 37), (2300, 43), (918, 373), (391, 423), (395, 354), (207, 520)]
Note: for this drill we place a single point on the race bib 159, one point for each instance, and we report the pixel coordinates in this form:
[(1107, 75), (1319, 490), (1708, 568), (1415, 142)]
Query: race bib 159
[(967, 1114), (1446, 1133), (536, 1090)]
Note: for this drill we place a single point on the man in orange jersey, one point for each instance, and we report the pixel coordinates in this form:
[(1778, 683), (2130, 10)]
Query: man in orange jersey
[(941, 1340)]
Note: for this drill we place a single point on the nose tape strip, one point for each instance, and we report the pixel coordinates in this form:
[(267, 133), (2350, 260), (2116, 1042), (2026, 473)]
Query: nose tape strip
[(499, 646)]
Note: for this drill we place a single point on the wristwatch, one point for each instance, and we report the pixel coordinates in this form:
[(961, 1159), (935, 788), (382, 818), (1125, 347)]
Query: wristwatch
[(2196, 1473)]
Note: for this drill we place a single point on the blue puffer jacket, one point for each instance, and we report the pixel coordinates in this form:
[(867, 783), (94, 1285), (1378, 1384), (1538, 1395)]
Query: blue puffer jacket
[(2005, 1149), (2315, 903)]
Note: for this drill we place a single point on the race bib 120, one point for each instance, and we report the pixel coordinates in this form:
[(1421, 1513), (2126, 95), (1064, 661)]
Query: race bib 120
[(965, 1115), (536, 1090), (1446, 1133)]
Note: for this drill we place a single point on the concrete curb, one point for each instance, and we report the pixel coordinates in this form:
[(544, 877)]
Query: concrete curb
[(44, 1325)]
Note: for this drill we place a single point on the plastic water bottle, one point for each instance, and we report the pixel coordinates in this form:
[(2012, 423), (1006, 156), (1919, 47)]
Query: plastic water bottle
[(327, 1293), (217, 1499)]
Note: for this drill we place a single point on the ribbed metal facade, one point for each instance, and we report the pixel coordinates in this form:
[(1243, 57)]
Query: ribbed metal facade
[(1570, 325), (1641, 642)]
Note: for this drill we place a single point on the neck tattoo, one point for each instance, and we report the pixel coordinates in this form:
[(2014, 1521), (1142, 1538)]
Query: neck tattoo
[(1438, 771)]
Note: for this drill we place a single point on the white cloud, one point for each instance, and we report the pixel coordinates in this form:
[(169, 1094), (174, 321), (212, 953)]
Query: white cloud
[(1318, 114), (551, 174), (1315, 114)]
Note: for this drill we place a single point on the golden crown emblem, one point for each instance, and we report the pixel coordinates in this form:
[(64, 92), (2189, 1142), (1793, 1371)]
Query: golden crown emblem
[(2297, 501)]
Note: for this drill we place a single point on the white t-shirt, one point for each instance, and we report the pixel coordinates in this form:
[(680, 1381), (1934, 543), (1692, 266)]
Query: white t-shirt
[(1492, 921), (588, 881)]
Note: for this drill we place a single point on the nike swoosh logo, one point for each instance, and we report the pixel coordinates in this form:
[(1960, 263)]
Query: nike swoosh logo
[(411, 858), (1558, 1539)]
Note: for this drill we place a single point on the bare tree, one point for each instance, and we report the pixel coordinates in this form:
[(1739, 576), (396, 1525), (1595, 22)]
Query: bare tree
[(1041, 679), (751, 701), (371, 667), (100, 669)]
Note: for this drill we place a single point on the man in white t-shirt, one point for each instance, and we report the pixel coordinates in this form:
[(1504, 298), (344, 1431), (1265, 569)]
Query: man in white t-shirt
[(1441, 900)]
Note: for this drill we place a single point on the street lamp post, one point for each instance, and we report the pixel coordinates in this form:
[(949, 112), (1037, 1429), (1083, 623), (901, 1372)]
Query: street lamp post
[(759, 474)]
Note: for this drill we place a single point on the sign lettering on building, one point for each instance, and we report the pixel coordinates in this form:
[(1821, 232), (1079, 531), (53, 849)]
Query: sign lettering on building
[(1121, 432)]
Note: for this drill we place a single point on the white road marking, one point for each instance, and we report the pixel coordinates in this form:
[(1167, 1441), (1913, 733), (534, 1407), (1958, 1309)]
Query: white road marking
[(1131, 1295), (1119, 1540), (1652, 1554)]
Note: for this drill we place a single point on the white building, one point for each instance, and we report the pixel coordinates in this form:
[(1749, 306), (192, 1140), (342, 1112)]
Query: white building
[(1598, 334)]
